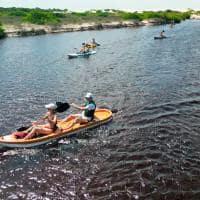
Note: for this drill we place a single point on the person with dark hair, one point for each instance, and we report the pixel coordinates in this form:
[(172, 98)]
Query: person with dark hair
[(84, 48)]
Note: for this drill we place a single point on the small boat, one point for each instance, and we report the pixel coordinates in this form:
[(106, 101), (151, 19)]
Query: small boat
[(102, 116), (79, 54), (160, 38)]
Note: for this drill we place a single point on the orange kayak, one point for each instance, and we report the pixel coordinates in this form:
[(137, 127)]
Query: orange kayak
[(102, 116)]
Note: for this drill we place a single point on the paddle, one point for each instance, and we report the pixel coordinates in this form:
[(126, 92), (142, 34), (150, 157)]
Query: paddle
[(23, 128), (61, 107), (75, 48)]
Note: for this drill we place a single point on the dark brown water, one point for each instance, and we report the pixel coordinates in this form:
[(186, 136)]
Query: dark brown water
[(151, 149)]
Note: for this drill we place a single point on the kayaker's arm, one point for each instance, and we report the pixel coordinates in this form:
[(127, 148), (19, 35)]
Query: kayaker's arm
[(54, 120), (78, 107), (40, 120)]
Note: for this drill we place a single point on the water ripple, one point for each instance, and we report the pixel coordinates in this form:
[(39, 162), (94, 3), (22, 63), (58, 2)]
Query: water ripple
[(150, 151)]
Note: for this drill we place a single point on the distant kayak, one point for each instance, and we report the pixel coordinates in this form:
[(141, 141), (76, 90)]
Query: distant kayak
[(102, 116), (79, 54), (160, 38)]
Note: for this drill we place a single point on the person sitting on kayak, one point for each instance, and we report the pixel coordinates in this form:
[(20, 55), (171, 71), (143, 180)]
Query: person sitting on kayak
[(87, 115), (50, 127), (162, 34), (84, 48), (89, 45), (94, 42)]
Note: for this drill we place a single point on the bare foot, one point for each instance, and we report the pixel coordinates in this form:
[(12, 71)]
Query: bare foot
[(29, 136)]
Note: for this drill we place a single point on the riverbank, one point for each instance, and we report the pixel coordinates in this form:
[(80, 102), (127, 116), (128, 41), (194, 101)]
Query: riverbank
[(27, 29), (25, 21), (195, 16)]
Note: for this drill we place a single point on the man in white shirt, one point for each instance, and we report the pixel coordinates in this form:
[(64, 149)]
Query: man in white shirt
[(88, 110)]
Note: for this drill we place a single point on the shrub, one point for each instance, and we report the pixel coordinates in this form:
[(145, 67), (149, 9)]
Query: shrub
[(41, 17), (128, 15), (2, 33)]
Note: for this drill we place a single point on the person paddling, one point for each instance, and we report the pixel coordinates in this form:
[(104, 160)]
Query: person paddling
[(172, 24), (84, 48), (94, 42), (87, 115), (162, 34), (45, 129)]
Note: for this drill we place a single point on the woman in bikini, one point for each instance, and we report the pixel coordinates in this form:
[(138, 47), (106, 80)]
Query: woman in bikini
[(50, 127)]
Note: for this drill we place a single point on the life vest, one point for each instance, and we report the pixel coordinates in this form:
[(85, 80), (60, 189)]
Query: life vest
[(90, 113)]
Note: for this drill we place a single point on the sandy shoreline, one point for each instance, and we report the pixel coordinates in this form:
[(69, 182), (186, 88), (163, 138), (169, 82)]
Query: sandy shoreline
[(32, 29), (26, 29), (195, 17)]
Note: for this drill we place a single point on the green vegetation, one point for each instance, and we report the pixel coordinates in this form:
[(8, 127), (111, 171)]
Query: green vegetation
[(2, 33), (166, 16), (197, 12), (17, 16), (41, 17)]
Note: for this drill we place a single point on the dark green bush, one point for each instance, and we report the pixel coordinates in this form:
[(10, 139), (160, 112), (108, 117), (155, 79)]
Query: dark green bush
[(100, 13), (130, 16), (167, 16), (41, 17), (2, 33)]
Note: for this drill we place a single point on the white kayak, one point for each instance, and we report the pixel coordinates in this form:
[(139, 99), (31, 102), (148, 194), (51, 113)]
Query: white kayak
[(79, 54)]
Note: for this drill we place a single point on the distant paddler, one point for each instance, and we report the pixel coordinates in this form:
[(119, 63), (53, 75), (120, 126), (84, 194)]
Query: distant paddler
[(84, 48), (92, 44), (162, 34), (172, 24)]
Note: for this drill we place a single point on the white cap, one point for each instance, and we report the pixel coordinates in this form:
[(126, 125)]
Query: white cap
[(88, 95), (51, 106)]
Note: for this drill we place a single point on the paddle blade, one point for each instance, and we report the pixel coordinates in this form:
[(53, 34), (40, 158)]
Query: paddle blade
[(23, 128), (62, 107)]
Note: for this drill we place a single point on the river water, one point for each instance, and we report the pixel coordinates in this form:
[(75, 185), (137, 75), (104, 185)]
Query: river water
[(150, 150)]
